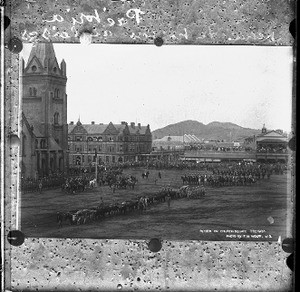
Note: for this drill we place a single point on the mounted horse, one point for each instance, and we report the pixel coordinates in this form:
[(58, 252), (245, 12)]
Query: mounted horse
[(145, 174), (92, 183)]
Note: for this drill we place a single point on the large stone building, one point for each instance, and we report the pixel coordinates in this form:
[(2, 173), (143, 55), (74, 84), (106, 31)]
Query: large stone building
[(44, 140), (112, 142)]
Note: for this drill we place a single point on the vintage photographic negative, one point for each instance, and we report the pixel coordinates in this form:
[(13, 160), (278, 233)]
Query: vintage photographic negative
[(138, 142)]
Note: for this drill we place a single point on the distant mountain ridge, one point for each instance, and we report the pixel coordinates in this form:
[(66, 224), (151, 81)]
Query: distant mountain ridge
[(213, 131)]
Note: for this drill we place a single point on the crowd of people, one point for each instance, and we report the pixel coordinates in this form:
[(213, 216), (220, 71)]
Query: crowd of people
[(139, 204), (194, 187), (222, 173), (229, 174), (217, 148), (218, 180), (277, 168), (266, 149), (78, 182), (73, 185), (38, 184), (198, 177)]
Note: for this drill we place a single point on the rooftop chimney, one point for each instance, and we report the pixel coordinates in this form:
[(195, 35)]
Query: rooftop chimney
[(123, 123), (93, 122), (139, 125), (71, 123), (132, 124)]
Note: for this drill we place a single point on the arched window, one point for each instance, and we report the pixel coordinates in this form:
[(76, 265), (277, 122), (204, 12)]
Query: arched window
[(32, 91), (56, 116), (56, 93), (43, 144)]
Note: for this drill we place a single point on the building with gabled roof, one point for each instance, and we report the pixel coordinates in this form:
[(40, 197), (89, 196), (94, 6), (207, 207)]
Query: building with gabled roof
[(269, 145), (44, 113), (113, 143), (175, 142)]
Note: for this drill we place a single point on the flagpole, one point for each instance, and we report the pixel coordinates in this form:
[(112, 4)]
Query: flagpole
[(96, 167)]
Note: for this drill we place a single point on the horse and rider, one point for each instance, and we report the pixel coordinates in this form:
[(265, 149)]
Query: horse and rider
[(145, 174)]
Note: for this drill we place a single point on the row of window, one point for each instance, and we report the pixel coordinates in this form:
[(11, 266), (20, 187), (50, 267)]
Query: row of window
[(34, 68), (110, 138), (81, 159), (55, 94), (130, 148), (42, 144), (32, 91)]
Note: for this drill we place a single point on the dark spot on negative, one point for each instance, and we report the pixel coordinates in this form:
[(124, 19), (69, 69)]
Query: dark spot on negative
[(158, 41), (15, 237), (15, 45), (155, 245)]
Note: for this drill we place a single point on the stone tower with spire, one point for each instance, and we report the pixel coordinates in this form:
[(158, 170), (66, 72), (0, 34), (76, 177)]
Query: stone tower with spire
[(44, 105)]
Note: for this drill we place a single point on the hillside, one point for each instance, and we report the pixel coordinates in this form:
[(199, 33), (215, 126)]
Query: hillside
[(212, 131)]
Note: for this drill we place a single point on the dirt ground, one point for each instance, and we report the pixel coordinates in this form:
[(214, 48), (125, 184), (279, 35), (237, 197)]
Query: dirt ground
[(256, 212)]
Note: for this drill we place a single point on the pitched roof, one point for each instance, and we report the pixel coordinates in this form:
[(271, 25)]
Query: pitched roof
[(53, 144), (271, 133), (141, 129), (71, 128), (43, 51), (271, 136), (187, 138), (272, 139), (170, 139), (100, 128), (191, 138), (94, 129), (26, 124), (37, 128)]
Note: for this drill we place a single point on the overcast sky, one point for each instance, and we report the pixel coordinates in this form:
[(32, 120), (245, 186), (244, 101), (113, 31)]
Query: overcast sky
[(246, 85)]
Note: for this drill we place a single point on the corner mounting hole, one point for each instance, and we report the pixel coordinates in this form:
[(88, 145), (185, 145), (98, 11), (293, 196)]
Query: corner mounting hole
[(15, 237), (15, 45), (292, 143), (6, 22), (154, 245), (290, 261), (138, 279), (288, 245), (292, 28), (119, 286)]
